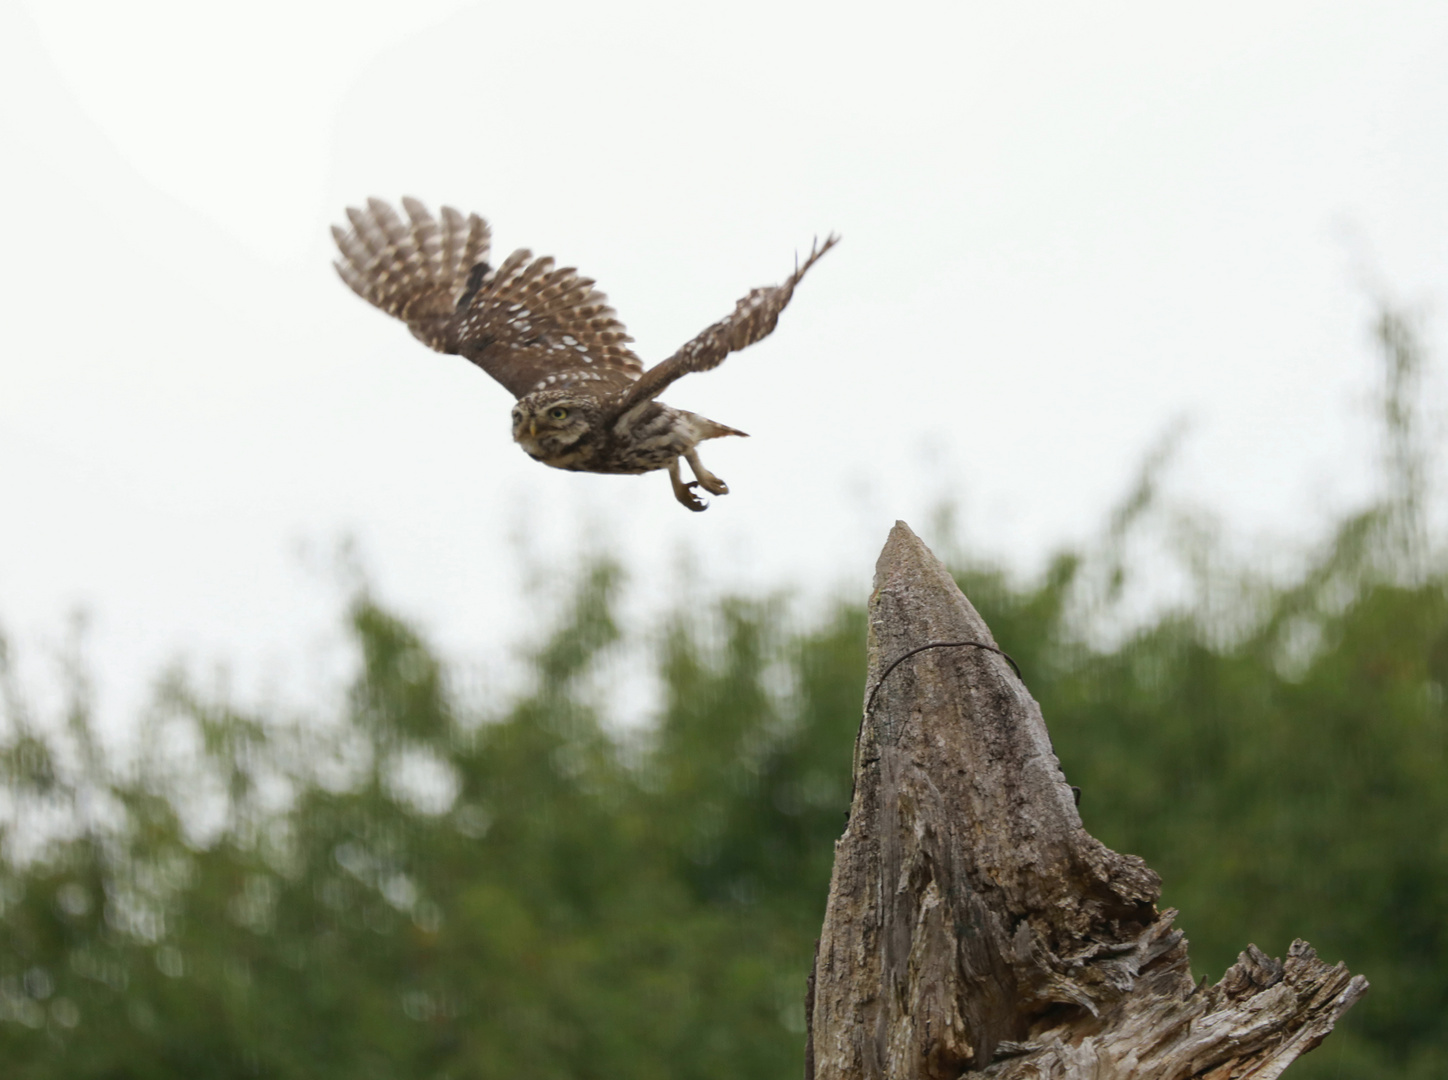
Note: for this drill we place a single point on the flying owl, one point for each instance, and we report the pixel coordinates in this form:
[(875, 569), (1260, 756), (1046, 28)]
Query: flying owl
[(585, 402)]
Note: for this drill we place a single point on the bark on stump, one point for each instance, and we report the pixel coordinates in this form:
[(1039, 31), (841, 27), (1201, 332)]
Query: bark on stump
[(975, 928)]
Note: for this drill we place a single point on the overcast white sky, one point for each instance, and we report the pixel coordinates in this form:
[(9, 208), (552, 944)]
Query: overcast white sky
[(1065, 225)]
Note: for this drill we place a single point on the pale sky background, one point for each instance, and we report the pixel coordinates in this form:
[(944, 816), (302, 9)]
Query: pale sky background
[(1065, 226)]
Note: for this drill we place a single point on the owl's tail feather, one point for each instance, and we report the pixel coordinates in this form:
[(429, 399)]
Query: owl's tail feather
[(715, 430), (415, 271)]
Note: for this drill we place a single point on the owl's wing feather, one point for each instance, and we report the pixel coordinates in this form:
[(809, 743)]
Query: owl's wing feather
[(416, 271), (527, 324), (753, 319), (531, 327)]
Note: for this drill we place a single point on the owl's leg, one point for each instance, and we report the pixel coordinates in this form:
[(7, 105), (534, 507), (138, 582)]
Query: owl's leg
[(710, 483), (682, 490)]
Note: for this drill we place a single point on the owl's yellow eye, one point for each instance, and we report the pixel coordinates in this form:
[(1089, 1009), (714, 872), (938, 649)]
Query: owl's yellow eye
[(559, 413)]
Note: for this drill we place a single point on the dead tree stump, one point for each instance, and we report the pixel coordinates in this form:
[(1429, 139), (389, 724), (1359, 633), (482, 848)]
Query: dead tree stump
[(974, 928)]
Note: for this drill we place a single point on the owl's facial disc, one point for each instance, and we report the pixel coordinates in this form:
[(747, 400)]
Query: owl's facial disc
[(548, 423)]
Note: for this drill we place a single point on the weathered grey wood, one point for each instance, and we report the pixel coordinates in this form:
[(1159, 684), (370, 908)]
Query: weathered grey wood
[(975, 928)]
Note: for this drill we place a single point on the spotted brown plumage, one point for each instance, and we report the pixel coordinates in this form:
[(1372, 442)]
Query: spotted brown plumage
[(585, 401)]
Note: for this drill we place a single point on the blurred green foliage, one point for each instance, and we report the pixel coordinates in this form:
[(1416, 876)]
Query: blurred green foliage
[(408, 889)]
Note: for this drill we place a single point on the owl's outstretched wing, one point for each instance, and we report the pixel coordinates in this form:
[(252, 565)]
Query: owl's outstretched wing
[(532, 327), (752, 319), (526, 324), (416, 271)]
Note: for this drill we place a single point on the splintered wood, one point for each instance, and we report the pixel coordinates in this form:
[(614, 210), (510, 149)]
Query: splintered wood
[(974, 928)]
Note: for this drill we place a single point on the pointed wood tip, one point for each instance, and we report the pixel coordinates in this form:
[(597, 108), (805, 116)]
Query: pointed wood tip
[(916, 601), (904, 551)]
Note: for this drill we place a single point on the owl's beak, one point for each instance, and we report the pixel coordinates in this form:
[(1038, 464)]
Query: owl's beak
[(533, 428)]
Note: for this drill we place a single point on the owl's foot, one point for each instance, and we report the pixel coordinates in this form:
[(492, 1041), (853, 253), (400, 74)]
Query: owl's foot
[(685, 492), (707, 480), (689, 499)]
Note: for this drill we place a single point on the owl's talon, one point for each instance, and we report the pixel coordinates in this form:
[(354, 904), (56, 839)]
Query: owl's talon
[(712, 484), (688, 498), (685, 492), (707, 480)]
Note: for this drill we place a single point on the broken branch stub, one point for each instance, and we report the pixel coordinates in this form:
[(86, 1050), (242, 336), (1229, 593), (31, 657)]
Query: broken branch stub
[(974, 927)]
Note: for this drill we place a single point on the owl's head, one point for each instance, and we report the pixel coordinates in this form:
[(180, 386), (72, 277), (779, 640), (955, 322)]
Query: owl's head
[(549, 423)]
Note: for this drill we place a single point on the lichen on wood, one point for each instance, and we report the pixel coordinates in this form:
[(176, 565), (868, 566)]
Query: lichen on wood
[(974, 927)]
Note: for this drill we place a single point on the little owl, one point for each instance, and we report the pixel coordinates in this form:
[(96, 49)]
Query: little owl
[(585, 401)]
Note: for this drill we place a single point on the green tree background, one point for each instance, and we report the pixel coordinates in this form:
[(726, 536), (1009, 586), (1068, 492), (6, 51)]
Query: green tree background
[(408, 887)]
